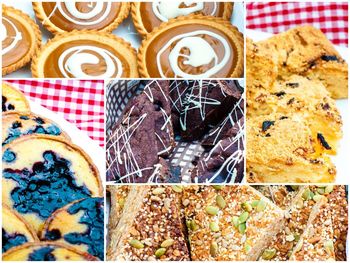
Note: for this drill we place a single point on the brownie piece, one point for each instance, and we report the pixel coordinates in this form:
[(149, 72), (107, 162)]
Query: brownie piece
[(143, 135), (198, 105), (223, 164)]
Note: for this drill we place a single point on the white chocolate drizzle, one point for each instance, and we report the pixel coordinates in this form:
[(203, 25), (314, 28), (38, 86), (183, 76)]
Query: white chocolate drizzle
[(80, 18), (165, 10), (70, 62), (200, 53), (16, 38)]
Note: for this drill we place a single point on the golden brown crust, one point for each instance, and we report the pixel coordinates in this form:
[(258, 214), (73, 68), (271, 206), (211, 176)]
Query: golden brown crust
[(36, 38), (136, 16), (40, 14), (220, 23), (36, 73), (87, 256), (68, 143), (19, 93)]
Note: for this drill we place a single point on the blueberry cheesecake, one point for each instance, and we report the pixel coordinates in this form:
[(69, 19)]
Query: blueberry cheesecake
[(46, 251), (37, 182), (13, 99), (15, 231), (79, 224), (16, 124)]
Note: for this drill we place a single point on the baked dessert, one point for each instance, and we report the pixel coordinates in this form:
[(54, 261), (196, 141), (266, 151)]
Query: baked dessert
[(233, 223), (15, 231), (306, 51), (141, 137), (46, 251), (13, 99), (296, 95), (316, 243), (192, 47), (85, 54), (149, 15), (197, 105), (282, 149), (150, 228), (65, 17), (17, 124), (36, 183), (78, 224), (20, 41), (261, 65)]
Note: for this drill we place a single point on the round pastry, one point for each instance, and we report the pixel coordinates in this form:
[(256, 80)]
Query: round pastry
[(149, 15), (17, 124), (192, 47), (78, 224), (85, 54), (15, 231), (67, 16), (46, 251), (42, 173), (21, 39), (13, 99)]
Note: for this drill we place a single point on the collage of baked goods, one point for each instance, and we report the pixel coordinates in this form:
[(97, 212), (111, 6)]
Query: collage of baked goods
[(175, 130)]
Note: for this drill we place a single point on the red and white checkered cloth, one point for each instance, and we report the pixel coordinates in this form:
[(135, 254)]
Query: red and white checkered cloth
[(80, 102), (276, 17)]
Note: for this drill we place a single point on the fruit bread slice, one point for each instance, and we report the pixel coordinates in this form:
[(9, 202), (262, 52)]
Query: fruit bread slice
[(78, 224), (17, 124), (316, 243), (229, 223), (118, 196), (15, 231), (306, 51), (150, 226), (42, 173), (282, 149), (298, 94), (13, 99)]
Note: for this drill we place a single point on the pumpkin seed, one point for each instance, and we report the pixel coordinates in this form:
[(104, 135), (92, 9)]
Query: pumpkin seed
[(247, 248), (212, 210), (218, 187), (158, 191), (295, 187), (214, 249), (261, 206), (317, 197), (241, 228), (269, 254), (247, 207), (136, 243), (177, 188), (167, 243), (306, 194), (160, 252), (328, 189), (255, 203), (320, 190), (243, 217), (214, 226), (235, 221), (296, 237), (220, 201), (328, 245)]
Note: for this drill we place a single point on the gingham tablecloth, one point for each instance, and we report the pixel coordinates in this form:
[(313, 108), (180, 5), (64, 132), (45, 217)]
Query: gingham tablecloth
[(275, 17), (80, 102)]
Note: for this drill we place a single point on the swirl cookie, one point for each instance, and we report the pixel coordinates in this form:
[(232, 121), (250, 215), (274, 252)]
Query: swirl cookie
[(149, 15), (46, 251), (79, 224), (13, 99), (15, 125), (36, 183), (192, 47), (15, 231), (21, 39), (67, 16), (85, 54)]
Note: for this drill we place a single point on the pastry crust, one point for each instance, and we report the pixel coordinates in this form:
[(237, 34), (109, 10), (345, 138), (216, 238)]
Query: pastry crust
[(40, 14), (137, 19), (223, 25), (116, 43), (34, 32)]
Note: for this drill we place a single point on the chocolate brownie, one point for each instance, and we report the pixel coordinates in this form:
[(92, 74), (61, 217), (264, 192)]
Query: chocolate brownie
[(201, 104), (142, 135)]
